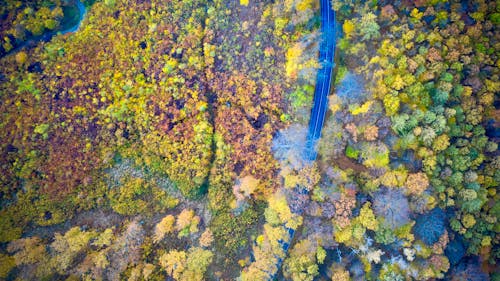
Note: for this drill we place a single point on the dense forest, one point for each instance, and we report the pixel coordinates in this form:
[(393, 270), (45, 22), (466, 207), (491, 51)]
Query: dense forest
[(164, 140)]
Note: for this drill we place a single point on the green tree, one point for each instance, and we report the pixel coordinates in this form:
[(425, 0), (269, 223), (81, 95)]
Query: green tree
[(302, 263), (368, 27)]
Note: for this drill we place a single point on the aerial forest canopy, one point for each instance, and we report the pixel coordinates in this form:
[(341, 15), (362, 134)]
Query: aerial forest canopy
[(165, 139)]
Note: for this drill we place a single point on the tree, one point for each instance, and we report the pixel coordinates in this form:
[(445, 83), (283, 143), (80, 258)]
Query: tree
[(288, 145), (441, 143), (367, 218), (349, 28), (394, 178), (196, 265), (468, 221), (340, 274), (246, 186), (136, 195), (302, 265), (7, 263), (353, 131), (186, 266), (254, 272), (174, 263), (455, 250), (68, 246), (206, 238), (343, 210), (417, 183), (293, 57), (165, 226), (391, 104), (126, 250), (371, 133), (27, 250), (374, 256), (368, 27), (375, 154), (392, 205), (430, 226), (104, 239), (351, 89), (187, 222), (278, 205), (21, 58), (469, 269), (428, 135), (403, 124)]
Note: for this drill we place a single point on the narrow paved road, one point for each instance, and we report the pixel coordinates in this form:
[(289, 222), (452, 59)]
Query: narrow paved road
[(323, 79), (321, 91)]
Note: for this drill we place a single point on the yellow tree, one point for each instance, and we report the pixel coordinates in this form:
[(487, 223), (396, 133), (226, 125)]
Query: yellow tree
[(174, 263), (187, 222), (68, 246), (417, 183), (27, 250), (206, 238), (165, 226)]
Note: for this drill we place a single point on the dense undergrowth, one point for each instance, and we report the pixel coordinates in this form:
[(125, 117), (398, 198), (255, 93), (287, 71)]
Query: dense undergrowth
[(145, 96)]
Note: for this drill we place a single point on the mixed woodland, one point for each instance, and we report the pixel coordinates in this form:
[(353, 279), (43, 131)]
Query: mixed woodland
[(163, 140)]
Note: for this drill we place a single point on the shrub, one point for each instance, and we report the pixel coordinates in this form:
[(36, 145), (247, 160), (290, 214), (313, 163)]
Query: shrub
[(351, 152)]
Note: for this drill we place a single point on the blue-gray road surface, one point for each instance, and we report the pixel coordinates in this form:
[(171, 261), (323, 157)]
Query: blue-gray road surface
[(323, 79), (321, 91)]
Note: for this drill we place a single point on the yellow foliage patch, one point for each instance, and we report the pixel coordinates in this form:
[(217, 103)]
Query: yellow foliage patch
[(362, 109), (367, 218), (343, 235), (304, 5), (348, 28), (292, 60)]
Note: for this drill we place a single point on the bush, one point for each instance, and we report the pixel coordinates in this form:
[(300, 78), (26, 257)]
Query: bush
[(351, 152)]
